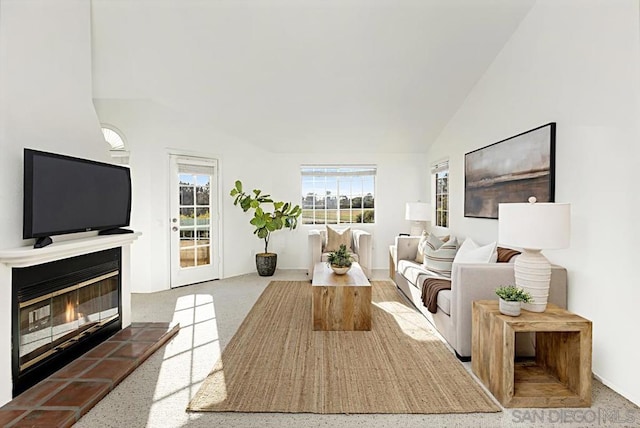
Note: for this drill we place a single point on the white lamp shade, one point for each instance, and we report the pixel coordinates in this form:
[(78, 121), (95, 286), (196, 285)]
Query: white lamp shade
[(534, 225), (418, 211)]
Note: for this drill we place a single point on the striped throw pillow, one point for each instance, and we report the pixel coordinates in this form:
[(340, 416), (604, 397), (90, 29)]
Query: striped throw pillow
[(423, 243), (438, 256)]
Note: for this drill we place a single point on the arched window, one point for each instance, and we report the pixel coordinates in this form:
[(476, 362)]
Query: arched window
[(115, 140)]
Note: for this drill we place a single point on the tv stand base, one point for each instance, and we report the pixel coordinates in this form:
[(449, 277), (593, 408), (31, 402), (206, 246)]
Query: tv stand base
[(43, 242), (115, 231)]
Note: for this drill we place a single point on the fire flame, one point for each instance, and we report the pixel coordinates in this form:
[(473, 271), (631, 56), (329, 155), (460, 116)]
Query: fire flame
[(70, 312)]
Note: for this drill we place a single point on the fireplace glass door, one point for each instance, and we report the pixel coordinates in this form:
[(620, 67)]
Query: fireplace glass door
[(54, 321)]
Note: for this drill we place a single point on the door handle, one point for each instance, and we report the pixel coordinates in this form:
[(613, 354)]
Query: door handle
[(174, 228)]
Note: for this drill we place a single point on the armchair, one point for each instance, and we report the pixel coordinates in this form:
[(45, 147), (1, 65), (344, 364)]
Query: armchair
[(361, 248)]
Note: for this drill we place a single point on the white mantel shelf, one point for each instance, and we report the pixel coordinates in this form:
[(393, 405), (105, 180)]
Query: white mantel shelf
[(28, 256)]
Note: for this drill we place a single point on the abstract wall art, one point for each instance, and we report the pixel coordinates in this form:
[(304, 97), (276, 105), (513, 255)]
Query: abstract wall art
[(511, 170)]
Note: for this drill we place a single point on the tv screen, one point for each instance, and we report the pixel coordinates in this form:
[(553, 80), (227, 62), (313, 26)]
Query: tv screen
[(63, 194)]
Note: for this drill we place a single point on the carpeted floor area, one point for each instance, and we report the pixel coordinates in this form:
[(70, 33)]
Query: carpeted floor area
[(157, 393), (277, 363)]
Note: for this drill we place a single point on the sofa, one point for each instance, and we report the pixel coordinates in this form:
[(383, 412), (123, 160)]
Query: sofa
[(469, 282), (360, 247)]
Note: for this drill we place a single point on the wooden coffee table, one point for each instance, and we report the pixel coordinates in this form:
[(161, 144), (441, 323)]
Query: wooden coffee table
[(340, 302)]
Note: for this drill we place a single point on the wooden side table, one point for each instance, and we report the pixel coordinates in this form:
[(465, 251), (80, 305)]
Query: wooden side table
[(560, 376)]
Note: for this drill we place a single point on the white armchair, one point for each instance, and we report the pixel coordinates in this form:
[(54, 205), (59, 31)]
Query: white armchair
[(361, 247)]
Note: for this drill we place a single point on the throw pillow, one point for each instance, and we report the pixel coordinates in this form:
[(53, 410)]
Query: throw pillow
[(336, 238), (439, 255), (421, 244), (470, 252), (506, 254)]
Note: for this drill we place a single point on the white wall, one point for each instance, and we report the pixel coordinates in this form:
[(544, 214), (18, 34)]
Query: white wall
[(151, 129), (45, 103), (45, 82), (576, 63)]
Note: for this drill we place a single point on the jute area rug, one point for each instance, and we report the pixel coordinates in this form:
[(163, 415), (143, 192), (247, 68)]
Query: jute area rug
[(277, 363)]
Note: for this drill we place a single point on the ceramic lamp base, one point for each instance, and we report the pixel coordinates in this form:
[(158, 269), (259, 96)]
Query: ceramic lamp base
[(533, 274), (417, 227)]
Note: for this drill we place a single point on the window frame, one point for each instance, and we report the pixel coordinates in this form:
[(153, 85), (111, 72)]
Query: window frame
[(441, 197), (343, 173)]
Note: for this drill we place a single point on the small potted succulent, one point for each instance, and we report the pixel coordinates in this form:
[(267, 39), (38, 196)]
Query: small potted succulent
[(511, 299), (340, 260)]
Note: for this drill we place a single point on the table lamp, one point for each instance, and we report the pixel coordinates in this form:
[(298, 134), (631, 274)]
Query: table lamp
[(533, 227), (418, 213)]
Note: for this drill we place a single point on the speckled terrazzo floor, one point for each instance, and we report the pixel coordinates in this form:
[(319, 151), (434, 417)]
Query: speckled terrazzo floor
[(157, 393)]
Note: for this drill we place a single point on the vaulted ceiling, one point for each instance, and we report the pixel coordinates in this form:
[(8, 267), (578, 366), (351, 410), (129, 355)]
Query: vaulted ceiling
[(303, 75)]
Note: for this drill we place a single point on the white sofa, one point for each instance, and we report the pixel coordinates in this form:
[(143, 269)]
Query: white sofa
[(469, 282), (361, 249)]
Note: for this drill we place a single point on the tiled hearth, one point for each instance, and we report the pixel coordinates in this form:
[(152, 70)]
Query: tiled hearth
[(62, 398)]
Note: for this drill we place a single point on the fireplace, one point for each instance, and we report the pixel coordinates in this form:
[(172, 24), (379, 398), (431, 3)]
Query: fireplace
[(61, 309)]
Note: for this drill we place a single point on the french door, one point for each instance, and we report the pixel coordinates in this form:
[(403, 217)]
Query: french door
[(194, 220)]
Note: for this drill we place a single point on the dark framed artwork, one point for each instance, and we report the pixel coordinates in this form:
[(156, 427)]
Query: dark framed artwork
[(511, 170)]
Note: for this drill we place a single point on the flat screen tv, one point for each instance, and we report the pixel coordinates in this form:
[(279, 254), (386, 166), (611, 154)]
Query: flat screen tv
[(64, 194)]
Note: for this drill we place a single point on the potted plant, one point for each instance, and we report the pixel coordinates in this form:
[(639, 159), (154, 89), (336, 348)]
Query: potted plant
[(511, 298), (265, 222), (340, 260)]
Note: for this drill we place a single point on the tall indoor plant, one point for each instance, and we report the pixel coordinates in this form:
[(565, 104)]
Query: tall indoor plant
[(284, 214)]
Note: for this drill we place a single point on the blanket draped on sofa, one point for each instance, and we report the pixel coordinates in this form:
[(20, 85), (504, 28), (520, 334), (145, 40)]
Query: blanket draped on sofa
[(432, 286), (430, 289)]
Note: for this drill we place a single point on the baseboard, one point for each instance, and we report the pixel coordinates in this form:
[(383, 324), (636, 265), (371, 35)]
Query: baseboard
[(461, 358), (618, 390)]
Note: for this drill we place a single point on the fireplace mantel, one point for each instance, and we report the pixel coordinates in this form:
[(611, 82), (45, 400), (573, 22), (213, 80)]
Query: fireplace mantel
[(28, 256)]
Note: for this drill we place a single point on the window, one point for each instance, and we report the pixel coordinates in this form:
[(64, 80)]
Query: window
[(338, 194), (115, 140), (113, 137), (440, 174)]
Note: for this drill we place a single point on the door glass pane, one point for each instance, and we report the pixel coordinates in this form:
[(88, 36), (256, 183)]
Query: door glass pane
[(203, 184), (186, 238), (187, 248), (203, 216), (186, 195), (187, 257), (186, 189), (204, 256), (187, 216), (203, 234), (186, 179), (204, 248), (202, 195)]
